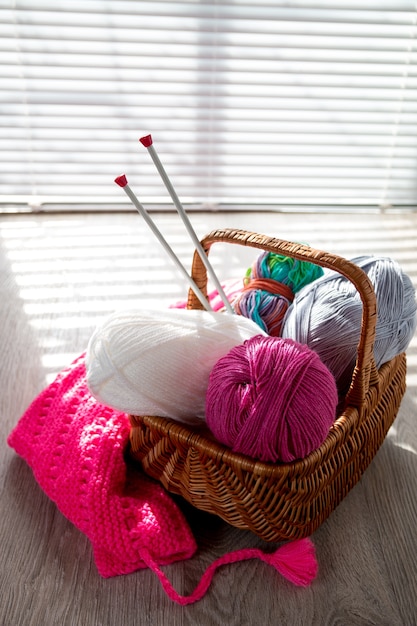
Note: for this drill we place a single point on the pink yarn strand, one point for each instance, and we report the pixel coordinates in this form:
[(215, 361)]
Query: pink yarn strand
[(296, 561)]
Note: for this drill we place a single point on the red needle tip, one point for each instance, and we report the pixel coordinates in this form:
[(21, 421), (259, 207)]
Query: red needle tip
[(121, 180), (146, 141)]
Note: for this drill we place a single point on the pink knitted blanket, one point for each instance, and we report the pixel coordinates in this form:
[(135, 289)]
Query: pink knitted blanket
[(75, 447)]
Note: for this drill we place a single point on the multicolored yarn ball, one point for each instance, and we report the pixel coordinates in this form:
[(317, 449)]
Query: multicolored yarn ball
[(271, 399), (327, 315), (270, 285)]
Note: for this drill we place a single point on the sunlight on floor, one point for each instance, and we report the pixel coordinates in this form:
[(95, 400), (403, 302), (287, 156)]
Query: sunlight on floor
[(70, 272), (393, 436)]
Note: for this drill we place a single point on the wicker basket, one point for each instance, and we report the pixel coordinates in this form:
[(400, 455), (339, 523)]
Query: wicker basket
[(279, 501)]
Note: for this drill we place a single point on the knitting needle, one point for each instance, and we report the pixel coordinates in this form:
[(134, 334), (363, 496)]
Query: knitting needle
[(148, 143), (122, 182)]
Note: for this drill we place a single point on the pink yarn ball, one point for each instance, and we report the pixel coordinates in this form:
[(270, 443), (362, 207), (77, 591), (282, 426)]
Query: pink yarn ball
[(271, 399)]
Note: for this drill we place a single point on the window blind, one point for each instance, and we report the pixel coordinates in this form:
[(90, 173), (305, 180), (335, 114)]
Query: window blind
[(269, 104)]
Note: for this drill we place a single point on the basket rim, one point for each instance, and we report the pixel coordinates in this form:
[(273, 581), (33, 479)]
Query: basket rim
[(200, 438)]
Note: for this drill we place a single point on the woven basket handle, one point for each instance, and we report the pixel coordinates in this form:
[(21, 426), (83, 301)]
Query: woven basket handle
[(365, 372)]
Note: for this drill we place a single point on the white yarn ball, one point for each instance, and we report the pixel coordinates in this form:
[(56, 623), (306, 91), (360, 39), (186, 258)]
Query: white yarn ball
[(159, 362)]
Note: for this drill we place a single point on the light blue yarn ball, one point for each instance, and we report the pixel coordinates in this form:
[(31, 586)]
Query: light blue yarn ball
[(326, 315)]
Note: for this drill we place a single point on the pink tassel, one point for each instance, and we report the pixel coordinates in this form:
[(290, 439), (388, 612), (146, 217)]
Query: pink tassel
[(296, 561)]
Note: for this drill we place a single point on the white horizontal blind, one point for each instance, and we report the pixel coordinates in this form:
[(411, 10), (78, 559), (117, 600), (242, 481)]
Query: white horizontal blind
[(278, 103)]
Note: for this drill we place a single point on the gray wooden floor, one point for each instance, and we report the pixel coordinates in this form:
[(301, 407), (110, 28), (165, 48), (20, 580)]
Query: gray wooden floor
[(59, 276)]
